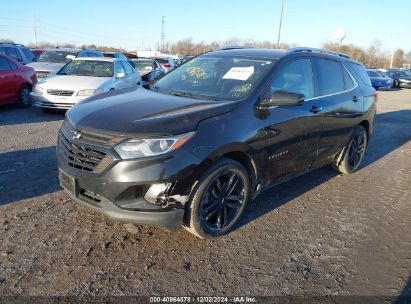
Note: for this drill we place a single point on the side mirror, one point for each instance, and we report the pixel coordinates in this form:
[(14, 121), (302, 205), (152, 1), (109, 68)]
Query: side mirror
[(283, 98), (120, 75), (70, 57)]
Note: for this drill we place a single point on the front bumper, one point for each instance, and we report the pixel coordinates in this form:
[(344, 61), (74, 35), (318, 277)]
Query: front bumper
[(150, 191), (406, 85), (54, 101)]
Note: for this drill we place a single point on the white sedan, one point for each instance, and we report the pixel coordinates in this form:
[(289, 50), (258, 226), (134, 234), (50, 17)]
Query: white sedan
[(81, 78)]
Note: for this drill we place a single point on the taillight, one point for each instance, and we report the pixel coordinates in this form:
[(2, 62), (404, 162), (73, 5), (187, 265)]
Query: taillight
[(166, 65)]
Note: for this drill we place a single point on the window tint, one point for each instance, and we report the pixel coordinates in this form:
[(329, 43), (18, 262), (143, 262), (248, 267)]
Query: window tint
[(4, 65), (119, 68), (329, 76), (358, 71), (29, 55), (13, 53), (294, 77), (128, 68), (349, 83)]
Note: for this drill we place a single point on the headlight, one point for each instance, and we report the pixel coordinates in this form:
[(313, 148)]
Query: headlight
[(137, 148), (38, 89), (85, 92)]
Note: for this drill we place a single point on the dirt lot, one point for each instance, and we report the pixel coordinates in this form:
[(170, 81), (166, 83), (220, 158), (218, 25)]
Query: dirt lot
[(319, 234)]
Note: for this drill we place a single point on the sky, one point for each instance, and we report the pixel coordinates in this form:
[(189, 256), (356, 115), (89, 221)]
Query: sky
[(136, 24)]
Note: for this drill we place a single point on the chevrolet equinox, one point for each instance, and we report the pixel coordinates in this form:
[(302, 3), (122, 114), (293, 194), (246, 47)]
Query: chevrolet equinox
[(194, 147)]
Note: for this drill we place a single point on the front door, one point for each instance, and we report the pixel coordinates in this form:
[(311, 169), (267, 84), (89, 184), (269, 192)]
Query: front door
[(292, 132)]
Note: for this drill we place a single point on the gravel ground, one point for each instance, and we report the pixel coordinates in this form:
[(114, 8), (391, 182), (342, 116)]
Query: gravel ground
[(320, 234)]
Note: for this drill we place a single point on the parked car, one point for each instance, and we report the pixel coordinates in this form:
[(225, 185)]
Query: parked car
[(53, 59), (379, 80), (115, 55), (82, 78), (401, 79), (16, 82), (37, 52), (18, 52), (209, 136), (166, 63), (149, 69), (187, 58)]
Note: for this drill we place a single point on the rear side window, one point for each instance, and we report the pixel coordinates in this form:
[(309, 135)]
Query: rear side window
[(295, 77), (4, 65), (13, 53), (349, 83), (359, 72), (29, 55), (329, 76), (129, 69)]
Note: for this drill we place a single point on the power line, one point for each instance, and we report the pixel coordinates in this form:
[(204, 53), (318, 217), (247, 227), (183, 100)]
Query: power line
[(163, 35)]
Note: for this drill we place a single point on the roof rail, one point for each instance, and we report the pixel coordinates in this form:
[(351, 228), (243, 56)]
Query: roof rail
[(233, 47), (314, 50)]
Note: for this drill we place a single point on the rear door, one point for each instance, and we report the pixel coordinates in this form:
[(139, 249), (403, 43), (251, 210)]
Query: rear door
[(342, 104), (131, 75), (8, 81), (292, 132)]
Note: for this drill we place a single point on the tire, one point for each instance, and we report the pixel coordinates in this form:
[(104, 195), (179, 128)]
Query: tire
[(218, 199), (24, 100), (353, 153)]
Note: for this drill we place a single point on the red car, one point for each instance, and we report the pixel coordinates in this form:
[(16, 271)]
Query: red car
[(16, 81)]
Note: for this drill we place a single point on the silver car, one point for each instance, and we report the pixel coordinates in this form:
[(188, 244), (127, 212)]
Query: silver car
[(81, 78), (53, 59)]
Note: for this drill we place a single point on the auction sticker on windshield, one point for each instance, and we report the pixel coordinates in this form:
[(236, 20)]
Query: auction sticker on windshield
[(239, 73)]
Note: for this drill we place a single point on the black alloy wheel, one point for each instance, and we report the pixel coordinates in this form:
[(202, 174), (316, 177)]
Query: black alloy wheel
[(218, 199)]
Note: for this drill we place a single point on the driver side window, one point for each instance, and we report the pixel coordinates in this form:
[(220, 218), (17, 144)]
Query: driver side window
[(295, 77)]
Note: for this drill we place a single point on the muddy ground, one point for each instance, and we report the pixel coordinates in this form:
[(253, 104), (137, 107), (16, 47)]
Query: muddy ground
[(320, 234)]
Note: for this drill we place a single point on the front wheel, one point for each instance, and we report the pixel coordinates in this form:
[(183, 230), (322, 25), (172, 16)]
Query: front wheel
[(24, 96), (218, 199), (353, 153)]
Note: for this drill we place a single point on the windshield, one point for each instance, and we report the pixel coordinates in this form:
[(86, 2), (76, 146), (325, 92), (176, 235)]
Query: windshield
[(93, 68), (143, 65), (55, 56), (217, 78)]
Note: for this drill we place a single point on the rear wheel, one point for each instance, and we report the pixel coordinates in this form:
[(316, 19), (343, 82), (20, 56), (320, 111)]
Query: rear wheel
[(218, 199), (24, 96), (353, 153)]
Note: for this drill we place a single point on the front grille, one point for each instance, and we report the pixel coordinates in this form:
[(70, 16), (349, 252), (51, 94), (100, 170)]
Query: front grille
[(81, 157), (60, 92), (94, 138)]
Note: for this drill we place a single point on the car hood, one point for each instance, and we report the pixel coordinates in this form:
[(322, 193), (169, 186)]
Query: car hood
[(72, 83), (140, 112), (45, 66)]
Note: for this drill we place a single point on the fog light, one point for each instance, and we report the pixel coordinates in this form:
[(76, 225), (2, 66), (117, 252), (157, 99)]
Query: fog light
[(156, 194)]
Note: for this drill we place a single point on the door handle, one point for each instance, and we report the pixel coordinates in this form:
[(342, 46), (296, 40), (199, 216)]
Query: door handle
[(355, 99), (316, 109)]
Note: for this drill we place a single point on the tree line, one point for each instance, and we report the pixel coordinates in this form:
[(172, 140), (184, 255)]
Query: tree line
[(373, 56)]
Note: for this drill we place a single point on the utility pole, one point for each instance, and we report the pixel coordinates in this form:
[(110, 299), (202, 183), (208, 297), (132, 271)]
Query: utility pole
[(163, 35), (35, 29), (279, 26)]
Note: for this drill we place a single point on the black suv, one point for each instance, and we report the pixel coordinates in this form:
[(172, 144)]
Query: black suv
[(194, 147)]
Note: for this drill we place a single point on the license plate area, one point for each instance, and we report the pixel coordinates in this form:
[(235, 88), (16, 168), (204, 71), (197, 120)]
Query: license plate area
[(68, 182)]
